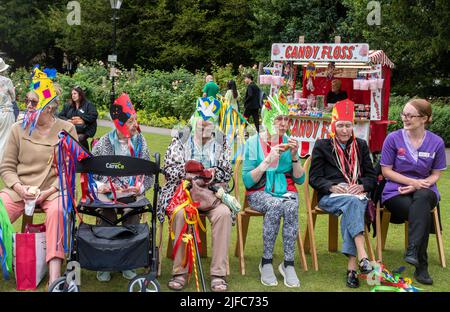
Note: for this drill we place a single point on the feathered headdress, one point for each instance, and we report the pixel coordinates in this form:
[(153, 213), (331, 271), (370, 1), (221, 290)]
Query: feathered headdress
[(274, 107)]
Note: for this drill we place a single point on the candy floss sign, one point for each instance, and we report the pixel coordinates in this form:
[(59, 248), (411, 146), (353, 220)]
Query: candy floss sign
[(336, 52), (308, 131)]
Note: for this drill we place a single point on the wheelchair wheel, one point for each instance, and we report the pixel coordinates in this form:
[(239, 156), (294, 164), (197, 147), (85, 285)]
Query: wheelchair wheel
[(60, 285), (141, 284)]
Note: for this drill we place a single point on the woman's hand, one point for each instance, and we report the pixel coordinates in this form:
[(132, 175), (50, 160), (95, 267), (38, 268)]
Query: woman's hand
[(45, 194), (102, 189), (275, 153), (22, 190), (406, 189), (421, 184), (355, 189), (337, 189), (293, 145), (77, 120), (134, 190)]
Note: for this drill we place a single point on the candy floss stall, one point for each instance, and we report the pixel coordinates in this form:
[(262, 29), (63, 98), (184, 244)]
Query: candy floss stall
[(364, 76)]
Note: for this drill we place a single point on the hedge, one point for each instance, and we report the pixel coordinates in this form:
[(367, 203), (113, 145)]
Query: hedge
[(165, 99)]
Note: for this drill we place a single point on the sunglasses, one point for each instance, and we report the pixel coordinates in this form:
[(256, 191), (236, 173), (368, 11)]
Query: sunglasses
[(33, 102)]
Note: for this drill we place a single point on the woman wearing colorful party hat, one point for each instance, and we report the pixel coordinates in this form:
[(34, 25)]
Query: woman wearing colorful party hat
[(342, 173), (270, 171), (28, 167), (201, 143), (125, 140)]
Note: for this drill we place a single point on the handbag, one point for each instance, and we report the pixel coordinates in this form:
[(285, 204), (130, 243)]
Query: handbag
[(200, 193), (370, 212), (201, 180), (29, 251)]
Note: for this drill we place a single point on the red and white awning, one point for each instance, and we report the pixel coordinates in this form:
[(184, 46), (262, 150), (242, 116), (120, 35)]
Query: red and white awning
[(379, 57)]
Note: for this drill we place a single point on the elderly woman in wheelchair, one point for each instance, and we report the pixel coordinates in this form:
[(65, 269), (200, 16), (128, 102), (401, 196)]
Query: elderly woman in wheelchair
[(342, 173), (200, 143), (125, 140)]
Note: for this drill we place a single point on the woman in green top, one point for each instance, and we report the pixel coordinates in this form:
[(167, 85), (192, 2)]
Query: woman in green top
[(232, 95), (270, 171)]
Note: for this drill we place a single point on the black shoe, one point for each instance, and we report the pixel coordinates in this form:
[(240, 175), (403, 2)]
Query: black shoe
[(421, 275), (352, 279), (411, 255), (364, 266)]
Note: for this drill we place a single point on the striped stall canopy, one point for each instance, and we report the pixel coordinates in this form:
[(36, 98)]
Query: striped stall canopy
[(379, 57)]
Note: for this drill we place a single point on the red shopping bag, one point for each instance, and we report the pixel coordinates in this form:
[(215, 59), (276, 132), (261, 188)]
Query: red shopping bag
[(29, 257)]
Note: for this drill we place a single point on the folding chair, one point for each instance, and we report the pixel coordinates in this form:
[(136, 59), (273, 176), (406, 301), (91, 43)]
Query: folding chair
[(382, 225), (312, 211), (243, 219)]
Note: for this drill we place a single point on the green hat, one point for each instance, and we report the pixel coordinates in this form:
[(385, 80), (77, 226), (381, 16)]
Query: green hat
[(274, 107)]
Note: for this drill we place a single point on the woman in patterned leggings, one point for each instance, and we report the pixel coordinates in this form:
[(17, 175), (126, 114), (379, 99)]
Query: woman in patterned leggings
[(270, 171)]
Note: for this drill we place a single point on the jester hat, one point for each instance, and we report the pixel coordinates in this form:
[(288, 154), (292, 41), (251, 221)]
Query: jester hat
[(342, 111), (121, 110), (207, 108), (274, 107), (42, 85)]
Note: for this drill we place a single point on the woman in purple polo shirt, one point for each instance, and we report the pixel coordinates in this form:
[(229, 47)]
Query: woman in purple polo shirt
[(412, 160)]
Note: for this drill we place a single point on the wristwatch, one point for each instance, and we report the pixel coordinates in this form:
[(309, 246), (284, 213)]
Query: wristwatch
[(295, 160)]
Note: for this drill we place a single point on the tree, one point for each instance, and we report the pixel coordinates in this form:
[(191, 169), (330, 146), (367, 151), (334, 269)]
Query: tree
[(416, 37), (23, 32)]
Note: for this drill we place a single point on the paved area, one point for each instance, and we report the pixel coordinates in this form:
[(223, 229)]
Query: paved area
[(146, 129)]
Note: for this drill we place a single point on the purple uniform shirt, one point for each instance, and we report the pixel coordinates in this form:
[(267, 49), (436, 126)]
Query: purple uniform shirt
[(399, 153)]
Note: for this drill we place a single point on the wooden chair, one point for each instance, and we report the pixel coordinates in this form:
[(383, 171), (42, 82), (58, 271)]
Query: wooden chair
[(312, 211), (382, 225), (243, 219)]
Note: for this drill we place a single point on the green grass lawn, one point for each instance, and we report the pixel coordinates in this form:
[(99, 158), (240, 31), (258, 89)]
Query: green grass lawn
[(332, 266)]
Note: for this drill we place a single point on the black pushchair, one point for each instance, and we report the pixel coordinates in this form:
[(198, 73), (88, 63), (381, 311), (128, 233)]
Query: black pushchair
[(114, 247)]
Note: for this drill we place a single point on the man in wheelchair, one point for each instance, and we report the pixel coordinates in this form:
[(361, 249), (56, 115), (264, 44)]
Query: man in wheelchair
[(124, 140)]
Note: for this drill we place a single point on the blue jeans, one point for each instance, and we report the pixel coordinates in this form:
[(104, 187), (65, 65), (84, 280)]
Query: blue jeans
[(352, 210)]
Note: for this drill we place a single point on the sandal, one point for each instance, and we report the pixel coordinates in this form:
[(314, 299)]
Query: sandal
[(218, 284), (177, 282)]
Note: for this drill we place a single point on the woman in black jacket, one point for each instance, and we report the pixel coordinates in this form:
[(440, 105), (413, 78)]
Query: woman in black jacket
[(83, 114), (342, 173)]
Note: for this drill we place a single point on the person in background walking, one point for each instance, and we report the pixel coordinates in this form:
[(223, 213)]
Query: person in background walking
[(252, 100), (210, 88), (232, 94)]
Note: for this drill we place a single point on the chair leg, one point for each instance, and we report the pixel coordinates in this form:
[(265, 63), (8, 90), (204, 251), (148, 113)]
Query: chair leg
[(202, 236), (306, 240), (245, 219), (312, 240), (384, 227), (378, 229), (240, 243), (368, 243), (301, 251), (439, 238), (406, 235), (169, 247), (332, 233)]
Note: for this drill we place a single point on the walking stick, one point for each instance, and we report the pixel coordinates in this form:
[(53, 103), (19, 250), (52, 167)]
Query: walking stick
[(200, 269)]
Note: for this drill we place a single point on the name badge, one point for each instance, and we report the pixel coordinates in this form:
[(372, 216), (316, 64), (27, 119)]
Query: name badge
[(82, 111), (426, 155)]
